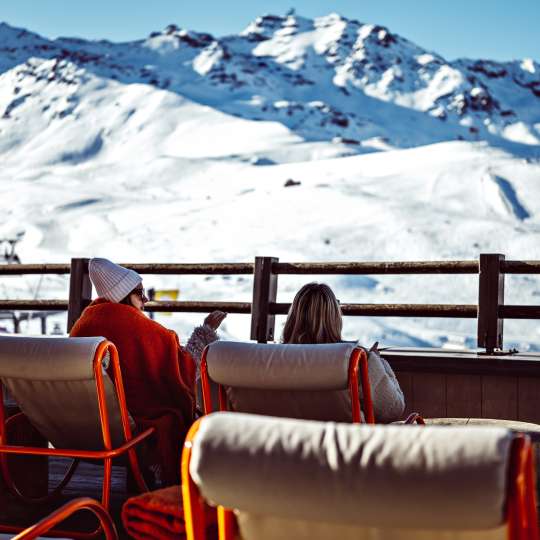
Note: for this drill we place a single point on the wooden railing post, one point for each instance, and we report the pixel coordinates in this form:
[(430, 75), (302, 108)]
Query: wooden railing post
[(264, 293), (80, 290), (16, 324), (43, 321), (490, 297)]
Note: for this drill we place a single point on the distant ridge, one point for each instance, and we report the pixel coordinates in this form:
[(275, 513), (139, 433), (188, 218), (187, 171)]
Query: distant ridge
[(323, 78)]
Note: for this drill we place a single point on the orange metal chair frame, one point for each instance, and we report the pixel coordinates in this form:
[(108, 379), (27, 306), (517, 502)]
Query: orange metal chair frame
[(82, 503), (358, 362), (521, 506), (106, 455), (521, 513)]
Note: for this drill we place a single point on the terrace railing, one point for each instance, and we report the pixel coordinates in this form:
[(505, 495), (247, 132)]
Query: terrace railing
[(490, 311)]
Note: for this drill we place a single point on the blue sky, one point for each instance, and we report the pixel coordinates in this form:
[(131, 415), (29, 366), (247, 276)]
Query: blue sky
[(495, 29)]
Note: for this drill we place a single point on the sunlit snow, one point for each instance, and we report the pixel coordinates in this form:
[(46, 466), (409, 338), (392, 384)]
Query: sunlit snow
[(178, 148)]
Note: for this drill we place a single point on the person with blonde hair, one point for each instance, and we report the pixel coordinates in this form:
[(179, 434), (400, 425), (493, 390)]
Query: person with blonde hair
[(315, 317)]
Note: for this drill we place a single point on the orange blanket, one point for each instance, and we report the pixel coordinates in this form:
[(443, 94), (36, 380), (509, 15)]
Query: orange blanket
[(160, 515), (159, 377)]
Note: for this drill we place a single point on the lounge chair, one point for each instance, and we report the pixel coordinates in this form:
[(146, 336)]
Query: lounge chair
[(274, 478), (62, 388), (314, 382)]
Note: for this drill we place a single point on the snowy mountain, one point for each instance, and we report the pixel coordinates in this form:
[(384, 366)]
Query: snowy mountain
[(178, 147), (322, 78)]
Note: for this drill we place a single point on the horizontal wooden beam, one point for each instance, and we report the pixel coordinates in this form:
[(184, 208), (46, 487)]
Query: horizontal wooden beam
[(150, 268), (34, 305), (396, 310), (396, 267), (199, 307), (187, 307), (20, 269), (192, 269), (520, 267), (411, 267), (375, 310), (519, 312)]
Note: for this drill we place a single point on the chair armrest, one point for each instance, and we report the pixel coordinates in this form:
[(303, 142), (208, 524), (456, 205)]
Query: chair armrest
[(72, 453), (82, 503)]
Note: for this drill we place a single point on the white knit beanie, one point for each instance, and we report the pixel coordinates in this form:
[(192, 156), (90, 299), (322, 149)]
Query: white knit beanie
[(112, 281)]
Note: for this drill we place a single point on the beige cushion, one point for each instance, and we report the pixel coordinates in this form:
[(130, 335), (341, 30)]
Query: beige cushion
[(324, 406), (254, 527), (52, 381), (293, 381), (280, 366), (369, 476)]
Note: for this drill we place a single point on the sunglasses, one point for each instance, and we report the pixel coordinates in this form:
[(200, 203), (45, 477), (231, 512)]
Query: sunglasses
[(141, 293)]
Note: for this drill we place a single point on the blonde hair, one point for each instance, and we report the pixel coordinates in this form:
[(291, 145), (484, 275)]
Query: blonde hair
[(314, 316)]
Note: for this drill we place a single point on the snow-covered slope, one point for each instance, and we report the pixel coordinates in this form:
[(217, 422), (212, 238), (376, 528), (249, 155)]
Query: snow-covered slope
[(178, 148)]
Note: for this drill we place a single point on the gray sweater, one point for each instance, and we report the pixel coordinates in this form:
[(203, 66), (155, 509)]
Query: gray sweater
[(388, 400), (200, 337)]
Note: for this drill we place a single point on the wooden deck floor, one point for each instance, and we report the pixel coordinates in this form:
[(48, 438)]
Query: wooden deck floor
[(85, 482)]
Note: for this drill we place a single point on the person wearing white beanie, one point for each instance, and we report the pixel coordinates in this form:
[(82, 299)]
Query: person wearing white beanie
[(119, 284), (159, 374)]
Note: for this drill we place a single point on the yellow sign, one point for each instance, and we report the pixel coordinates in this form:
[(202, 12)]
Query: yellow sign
[(166, 295)]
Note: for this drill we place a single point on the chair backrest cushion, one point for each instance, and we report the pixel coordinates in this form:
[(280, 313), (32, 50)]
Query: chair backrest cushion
[(325, 406), (280, 366), (52, 381), (369, 475), (295, 381)]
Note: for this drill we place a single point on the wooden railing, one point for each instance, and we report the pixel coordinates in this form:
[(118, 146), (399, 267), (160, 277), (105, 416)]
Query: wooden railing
[(490, 311)]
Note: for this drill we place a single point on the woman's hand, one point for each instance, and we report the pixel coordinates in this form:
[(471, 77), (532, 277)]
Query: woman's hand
[(215, 319)]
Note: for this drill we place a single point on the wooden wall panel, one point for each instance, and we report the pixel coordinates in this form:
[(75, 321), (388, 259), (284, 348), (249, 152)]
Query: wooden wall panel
[(499, 397), (529, 399), (472, 391), (464, 396), (429, 394)]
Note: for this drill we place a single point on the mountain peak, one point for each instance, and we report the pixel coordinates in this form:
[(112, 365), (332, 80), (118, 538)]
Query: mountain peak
[(263, 27), (183, 36), (323, 78)]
